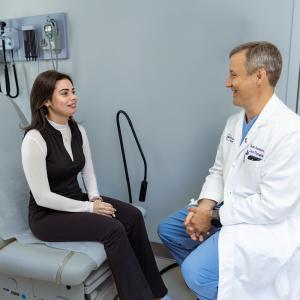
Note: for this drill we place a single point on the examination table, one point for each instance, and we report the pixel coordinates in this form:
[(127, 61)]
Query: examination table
[(38, 272)]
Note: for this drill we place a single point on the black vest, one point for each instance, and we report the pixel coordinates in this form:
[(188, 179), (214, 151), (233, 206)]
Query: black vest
[(61, 170)]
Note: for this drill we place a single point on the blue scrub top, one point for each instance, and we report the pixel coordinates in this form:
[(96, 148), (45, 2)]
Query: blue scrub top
[(247, 126)]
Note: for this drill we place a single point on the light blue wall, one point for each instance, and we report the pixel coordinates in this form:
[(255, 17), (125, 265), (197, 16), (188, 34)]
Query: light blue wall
[(165, 63)]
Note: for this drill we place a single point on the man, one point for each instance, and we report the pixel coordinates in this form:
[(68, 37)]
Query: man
[(255, 184)]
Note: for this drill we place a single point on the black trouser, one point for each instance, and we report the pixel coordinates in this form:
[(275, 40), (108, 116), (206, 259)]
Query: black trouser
[(125, 241)]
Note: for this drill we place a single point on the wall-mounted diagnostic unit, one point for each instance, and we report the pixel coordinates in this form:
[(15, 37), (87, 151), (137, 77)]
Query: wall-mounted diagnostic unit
[(33, 38)]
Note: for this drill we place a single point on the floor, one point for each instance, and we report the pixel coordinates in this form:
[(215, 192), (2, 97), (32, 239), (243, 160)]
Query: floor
[(174, 281)]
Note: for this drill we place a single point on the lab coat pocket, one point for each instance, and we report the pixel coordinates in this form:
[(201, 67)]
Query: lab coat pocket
[(250, 175), (257, 253), (252, 163)]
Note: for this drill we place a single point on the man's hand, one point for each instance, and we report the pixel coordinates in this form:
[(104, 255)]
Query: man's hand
[(190, 230), (198, 221)]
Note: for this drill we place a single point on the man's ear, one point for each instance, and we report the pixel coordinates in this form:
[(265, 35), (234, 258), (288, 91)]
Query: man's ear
[(261, 76)]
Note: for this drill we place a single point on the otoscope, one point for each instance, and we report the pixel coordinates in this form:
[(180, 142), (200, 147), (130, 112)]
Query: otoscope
[(2, 26), (6, 75)]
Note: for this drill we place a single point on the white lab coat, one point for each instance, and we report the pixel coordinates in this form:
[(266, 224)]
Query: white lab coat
[(259, 182)]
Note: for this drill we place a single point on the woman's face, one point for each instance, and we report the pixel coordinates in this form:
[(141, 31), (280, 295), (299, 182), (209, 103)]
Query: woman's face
[(62, 105)]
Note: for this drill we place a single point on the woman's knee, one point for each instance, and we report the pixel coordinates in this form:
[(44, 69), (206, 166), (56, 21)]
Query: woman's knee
[(116, 231), (137, 214), (134, 214)]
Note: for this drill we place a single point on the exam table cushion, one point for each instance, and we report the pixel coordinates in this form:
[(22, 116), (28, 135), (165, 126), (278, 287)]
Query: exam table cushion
[(47, 264), (3, 243)]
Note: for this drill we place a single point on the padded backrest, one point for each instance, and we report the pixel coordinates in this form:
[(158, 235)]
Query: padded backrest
[(14, 190)]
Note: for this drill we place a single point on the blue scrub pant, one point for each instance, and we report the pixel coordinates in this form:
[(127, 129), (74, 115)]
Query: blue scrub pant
[(199, 261)]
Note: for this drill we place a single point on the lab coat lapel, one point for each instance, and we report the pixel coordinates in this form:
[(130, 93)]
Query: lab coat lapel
[(238, 131), (264, 117)]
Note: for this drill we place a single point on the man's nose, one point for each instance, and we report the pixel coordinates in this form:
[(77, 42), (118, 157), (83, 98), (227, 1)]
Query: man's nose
[(228, 83)]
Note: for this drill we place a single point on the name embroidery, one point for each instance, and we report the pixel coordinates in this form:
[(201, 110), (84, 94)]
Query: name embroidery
[(255, 153), (230, 138)]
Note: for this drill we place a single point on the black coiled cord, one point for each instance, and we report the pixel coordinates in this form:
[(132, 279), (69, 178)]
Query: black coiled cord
[(144, 183)]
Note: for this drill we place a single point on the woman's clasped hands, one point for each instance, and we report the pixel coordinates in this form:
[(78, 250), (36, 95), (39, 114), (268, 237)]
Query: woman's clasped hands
[(103, 208)]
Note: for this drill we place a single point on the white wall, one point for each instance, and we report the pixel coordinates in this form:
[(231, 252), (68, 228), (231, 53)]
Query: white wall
[(293, 88), (165, 63)]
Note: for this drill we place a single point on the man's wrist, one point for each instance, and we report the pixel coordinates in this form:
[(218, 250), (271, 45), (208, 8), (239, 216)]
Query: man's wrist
[(215, 218), (207, 204)]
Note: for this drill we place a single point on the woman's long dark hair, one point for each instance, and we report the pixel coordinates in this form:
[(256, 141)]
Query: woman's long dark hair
[(42, 90)]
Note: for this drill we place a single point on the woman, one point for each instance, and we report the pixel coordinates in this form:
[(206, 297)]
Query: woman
[(54, 150)]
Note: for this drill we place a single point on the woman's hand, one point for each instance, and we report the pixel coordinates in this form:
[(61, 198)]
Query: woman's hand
[(103, 208), (96, 198)]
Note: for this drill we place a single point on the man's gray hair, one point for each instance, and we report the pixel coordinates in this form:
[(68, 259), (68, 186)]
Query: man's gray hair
[(261, 55)]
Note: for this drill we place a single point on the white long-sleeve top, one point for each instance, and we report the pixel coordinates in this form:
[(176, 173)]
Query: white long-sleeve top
[(34, 153)]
